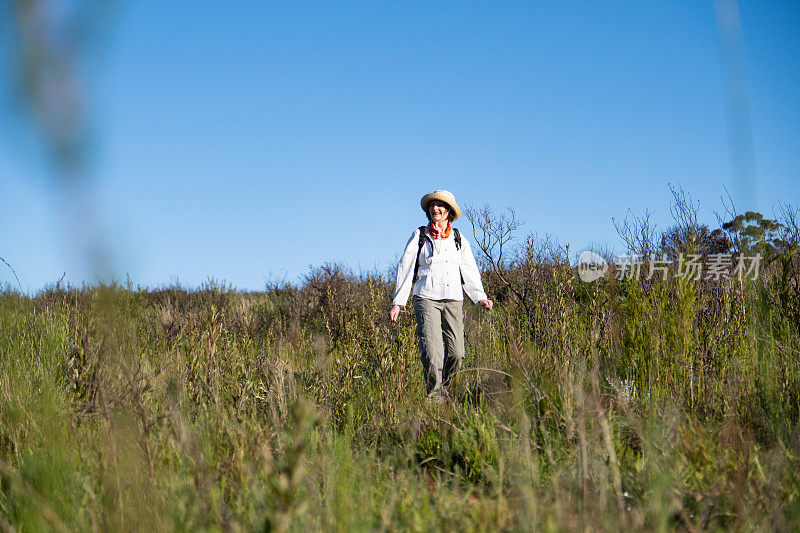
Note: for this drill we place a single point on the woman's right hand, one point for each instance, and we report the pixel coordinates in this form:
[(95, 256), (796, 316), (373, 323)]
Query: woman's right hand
[(394, 312)]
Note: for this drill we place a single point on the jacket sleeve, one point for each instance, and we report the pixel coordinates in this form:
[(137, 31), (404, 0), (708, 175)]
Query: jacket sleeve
[(405, 271), (472, 276)]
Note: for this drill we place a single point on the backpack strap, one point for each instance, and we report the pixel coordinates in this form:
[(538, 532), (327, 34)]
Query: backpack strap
[(457, 239), (419, 251)]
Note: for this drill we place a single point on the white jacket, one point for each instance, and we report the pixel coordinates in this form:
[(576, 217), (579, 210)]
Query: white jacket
[(440, 269)]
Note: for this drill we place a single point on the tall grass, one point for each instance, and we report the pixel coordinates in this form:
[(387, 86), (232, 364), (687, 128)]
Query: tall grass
[(665, 404)]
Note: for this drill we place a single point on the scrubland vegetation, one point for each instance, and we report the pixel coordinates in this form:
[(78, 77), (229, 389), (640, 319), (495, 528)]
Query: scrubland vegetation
[(655, 404)]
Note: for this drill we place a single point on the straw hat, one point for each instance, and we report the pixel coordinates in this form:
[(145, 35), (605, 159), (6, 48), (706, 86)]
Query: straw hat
[(444, 196)]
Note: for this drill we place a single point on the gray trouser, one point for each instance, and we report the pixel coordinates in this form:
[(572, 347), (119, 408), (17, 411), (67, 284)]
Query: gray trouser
[(440, 328)]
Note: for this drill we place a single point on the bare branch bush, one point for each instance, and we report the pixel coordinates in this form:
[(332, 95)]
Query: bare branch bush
[(684, 235), (789, 230), (734, 238), (688, 235), (637, 232), (493, 232), (534, 275)]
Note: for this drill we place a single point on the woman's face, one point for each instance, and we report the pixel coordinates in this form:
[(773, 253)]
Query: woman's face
[(438, 211)]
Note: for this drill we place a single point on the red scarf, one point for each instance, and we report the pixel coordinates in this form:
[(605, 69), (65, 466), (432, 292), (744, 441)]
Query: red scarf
[(433, 231)]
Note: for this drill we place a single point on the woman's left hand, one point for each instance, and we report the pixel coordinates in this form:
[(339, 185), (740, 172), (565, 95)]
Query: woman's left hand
[(486, 304)]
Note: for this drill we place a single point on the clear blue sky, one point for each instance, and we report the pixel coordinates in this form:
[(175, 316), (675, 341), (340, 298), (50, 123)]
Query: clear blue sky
[(246, 141)]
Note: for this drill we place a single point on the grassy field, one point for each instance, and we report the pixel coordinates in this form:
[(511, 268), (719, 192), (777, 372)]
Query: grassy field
[(650, 404)]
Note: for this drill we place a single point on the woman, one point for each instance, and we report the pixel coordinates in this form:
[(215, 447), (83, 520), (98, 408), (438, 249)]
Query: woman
[(437, 263)]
